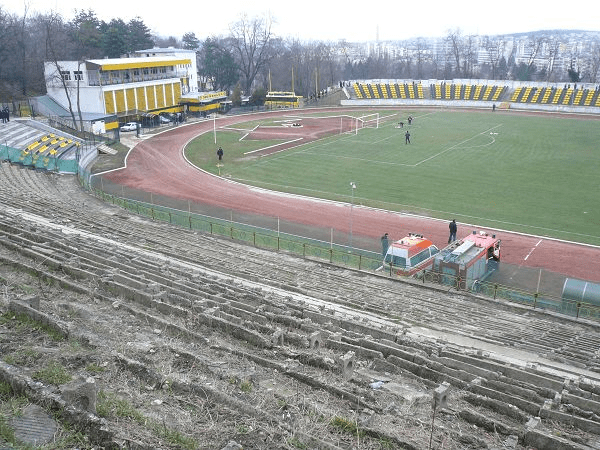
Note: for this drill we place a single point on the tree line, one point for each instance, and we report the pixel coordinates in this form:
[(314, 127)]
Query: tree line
[(251, 59)]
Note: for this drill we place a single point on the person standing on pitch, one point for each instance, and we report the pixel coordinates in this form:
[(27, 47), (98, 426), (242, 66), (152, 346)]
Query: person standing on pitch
[(407, 138), (453, 229), (220, 154)]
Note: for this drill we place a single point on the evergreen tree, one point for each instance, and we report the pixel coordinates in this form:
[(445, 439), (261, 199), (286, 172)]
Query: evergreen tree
[(84, 31), (139, 36), (236, 95), (114, 38), (258, 97), (217, 64), (190, 41)]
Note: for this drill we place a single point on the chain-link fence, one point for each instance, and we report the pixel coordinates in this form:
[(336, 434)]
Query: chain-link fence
[(332, 246)]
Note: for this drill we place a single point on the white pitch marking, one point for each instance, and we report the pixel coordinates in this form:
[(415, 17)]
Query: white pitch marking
[(534, 247)]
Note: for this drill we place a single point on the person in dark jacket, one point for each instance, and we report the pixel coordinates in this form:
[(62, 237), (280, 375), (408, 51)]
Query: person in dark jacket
[(385, 243), (453, 229)]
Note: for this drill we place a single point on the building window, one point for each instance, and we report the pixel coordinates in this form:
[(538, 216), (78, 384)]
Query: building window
[(66, 75), (78, 75), (154, 71)]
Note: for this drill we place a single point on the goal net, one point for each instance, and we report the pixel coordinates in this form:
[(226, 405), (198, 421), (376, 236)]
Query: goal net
[(368, 121)]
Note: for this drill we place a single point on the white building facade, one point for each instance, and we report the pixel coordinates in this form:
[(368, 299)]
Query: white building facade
[(124, 88)]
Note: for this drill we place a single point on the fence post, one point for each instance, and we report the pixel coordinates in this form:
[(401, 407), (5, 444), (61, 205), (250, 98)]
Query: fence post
[(254, 238), (495, 290), (359, 261), (331, 256), (231, 232), (578, 306), (170, 221), (304, 250), (190, 217), (210, 227), (152, 210), (277, 243), (535, 297)]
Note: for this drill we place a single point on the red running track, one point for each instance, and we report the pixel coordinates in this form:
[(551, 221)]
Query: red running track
[(157, 165)]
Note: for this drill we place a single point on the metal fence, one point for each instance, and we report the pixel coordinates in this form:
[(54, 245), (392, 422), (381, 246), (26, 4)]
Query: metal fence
[(535, 300), (252, 231)]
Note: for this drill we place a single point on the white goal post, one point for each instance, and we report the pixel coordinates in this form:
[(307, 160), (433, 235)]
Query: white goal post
[(367, 121)]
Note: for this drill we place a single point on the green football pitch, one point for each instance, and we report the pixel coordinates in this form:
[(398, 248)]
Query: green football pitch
[(537, 174)]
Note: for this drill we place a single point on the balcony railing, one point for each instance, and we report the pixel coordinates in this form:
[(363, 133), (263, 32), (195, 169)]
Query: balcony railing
[(95, 78)]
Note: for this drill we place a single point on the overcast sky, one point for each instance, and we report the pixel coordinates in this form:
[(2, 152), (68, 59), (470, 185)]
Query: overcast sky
[(334, 20)]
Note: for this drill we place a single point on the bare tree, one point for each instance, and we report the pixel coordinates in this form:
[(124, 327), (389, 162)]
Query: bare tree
[(455, 49), (469, 55), (553, 45), (533, 47), (5, 25), (56, 40), (494, 48), (420, 53), (251, 42), (21, 42), (594, 61)]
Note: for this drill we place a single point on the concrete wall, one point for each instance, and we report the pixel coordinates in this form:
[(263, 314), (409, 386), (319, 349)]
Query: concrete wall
[(449, 104)]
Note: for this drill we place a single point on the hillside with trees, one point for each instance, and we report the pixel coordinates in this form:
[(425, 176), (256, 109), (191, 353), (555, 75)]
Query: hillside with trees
[(252, 57)]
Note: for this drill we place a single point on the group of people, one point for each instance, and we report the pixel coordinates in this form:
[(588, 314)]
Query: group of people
[(407, 134), (4, 115)]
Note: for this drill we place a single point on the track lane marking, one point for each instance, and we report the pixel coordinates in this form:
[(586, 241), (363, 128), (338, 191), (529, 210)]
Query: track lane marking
[(533, 248)]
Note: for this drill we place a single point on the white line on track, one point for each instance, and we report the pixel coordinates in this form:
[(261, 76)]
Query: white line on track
[(531, 251)]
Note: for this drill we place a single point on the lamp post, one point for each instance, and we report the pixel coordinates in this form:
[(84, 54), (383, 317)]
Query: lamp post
[(352, 187)]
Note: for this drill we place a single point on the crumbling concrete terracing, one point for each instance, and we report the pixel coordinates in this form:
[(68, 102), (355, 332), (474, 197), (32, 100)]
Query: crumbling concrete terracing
[(161, 321)]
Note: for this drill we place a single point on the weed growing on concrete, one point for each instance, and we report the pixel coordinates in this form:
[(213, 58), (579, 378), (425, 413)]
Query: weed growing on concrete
[(95, 368), (5, 391), (53, 373), (25, 321), (246, 387), (7, 434), (174, 437), (296, 443), (9, 407), (109, 405), (346, 426)]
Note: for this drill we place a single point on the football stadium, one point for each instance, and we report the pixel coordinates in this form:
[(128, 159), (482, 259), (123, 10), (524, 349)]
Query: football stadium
[(303, 291)]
